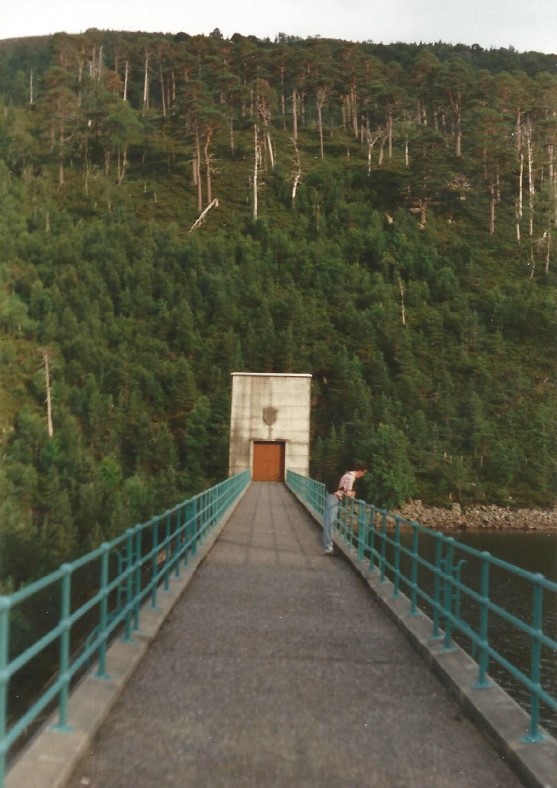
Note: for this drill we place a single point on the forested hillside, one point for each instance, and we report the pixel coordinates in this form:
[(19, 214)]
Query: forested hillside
[(176, 208)]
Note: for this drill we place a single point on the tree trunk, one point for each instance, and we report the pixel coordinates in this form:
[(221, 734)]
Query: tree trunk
[(207, 159), (87, 169), (354, 109), (320, 102), (531, 185), (371, 140), (390, 135), (282, 98), (297, 174), (46, 364), (295, 115), (201, 218), (231, 129), (197, 171), (402, 309), (255, 172), (382, 150), (146, 84), (126, 76), (163, 94), (270, 149), (458, 148), (519, 205), (61, 156), (122, 163), (492, 204)]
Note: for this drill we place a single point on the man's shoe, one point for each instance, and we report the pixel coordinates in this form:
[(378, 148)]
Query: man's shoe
[(329, 550)]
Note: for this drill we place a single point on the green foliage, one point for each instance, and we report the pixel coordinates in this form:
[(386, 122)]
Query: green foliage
[(391, 477), (401, 272)]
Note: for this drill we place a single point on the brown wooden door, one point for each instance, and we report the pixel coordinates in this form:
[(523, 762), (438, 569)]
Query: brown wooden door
[(268, 462)]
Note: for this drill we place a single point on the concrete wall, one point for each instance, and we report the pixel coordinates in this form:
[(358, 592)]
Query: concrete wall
[(270, 407)]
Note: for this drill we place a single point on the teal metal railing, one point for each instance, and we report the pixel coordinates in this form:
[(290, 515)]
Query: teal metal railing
[(130, 571), (465, 592)]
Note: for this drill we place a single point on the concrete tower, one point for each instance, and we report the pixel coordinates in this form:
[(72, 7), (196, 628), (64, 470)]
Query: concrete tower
[(269, 424)]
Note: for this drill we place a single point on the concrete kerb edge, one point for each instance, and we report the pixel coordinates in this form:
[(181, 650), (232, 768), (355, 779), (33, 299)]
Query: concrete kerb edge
[(50, 758), (492, 709)]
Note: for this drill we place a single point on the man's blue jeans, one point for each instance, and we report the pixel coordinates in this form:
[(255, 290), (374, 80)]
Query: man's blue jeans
[(329, 516)]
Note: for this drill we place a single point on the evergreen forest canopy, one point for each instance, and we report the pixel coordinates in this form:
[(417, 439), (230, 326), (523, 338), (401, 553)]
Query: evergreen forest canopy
[(176, 208)]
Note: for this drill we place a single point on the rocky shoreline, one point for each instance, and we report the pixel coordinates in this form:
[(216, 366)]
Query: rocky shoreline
[(480, 517)]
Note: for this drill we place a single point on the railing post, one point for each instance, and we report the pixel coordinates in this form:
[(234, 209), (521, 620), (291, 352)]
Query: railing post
[(483, 661), (396, 584), (129, 586), (155, 562), (177, 538), (137, 578), (534, 734), (194, 525), (188, 532), (64, 667), (362, 529), (352, 522), (414, 571), (103, 618), (185, 532), (167, 554), (382, 561), (371, 543), (436, 635), (448, 593), (4, 678)]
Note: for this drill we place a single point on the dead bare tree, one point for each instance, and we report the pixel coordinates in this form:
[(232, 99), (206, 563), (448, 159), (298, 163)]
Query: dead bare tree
[(371, 138), (321, 97), (402, 307), (46, 367), (263, 108), (531, 184), (201, 218), (146, 84), (126, 79), (256, 160), (297, 172)]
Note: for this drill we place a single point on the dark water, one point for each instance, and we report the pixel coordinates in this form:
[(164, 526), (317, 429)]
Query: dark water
[(534, 552)]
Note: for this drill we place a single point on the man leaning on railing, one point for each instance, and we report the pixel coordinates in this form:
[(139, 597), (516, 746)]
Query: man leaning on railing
[(345, 488)]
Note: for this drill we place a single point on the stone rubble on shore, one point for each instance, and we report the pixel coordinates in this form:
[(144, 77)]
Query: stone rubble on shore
[(480, 517)]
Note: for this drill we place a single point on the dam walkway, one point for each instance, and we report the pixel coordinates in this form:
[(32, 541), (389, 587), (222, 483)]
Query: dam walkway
[(277, 667)]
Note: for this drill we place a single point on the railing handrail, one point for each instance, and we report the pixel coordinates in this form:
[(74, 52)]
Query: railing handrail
[(146, 555), (376, 533)]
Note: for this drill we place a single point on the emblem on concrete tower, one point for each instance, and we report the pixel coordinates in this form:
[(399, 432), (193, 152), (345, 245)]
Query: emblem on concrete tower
[(270, 416)]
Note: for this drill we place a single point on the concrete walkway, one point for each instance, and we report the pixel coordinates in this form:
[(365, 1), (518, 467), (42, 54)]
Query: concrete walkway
[(278, 668)]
